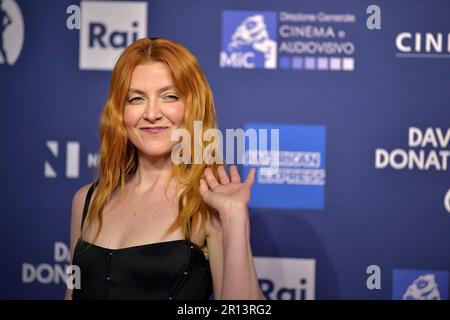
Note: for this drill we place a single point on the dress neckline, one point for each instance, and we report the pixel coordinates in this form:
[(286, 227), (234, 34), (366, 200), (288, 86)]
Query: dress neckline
[(140, 246)]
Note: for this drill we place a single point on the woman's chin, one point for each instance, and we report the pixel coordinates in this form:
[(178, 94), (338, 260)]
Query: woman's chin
[(157, 153)]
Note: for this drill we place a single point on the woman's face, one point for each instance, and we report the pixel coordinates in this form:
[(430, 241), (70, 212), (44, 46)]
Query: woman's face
[(153, 109)]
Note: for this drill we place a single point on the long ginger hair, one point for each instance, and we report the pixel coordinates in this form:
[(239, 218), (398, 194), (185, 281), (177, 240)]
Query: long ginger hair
[(118, 156)]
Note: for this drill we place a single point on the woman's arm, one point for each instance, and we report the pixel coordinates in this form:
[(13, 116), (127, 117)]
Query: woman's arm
[(214, 242), (231, 259)]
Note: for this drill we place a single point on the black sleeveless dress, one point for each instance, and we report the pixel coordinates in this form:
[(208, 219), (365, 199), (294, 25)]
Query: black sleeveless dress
[(170, 270)]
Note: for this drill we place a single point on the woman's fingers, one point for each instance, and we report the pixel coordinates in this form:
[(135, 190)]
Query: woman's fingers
[(250, 177), (223, 175), (203, 187), (235, 177), (210, 179)]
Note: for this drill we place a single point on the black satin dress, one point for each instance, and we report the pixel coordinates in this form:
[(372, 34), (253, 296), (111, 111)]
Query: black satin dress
[(170, 270)]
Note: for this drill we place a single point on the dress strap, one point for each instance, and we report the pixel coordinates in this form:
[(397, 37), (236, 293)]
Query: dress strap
[(87, 201)]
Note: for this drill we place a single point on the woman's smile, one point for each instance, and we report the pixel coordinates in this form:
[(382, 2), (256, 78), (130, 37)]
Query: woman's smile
[(154, 129)]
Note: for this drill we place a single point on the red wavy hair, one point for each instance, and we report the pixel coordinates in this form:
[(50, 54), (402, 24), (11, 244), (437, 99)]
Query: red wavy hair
[(118, 156)]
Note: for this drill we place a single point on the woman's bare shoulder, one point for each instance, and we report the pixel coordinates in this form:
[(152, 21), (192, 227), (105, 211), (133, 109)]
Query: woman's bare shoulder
[(80, 196)]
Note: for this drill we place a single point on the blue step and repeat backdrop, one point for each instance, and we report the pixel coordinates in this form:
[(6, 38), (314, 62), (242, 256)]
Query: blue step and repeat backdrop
[(360, 93)]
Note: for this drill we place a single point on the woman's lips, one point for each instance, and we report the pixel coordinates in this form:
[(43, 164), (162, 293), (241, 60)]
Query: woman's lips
[(154, 130)]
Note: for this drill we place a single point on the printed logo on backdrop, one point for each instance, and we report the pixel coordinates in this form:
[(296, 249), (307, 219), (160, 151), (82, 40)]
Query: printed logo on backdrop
[(427, 150), (419, 285), (48, 272), (249, 40), (66, 160), (447, 201), (299, 181), (422, 45), (287, 40), (286, 278), (11, 32), (108, 27)]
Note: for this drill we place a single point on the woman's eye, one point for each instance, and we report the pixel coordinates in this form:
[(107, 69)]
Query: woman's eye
[(171, 97), (135, 100)]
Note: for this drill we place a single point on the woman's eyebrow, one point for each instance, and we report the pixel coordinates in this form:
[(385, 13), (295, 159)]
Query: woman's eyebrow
[(138, 91), (165, 88), (131, 90)]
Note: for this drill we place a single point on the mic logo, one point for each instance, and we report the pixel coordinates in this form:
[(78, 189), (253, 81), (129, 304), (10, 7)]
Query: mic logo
[(249, 40)]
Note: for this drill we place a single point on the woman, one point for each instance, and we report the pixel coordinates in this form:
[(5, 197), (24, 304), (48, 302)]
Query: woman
[(153, 229)]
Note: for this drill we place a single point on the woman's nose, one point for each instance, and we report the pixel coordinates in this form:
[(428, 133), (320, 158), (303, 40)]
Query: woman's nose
[(152, 112)]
